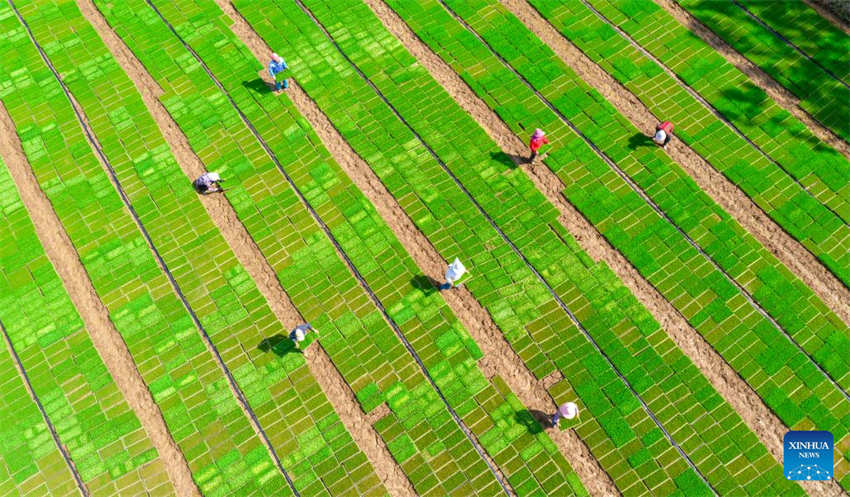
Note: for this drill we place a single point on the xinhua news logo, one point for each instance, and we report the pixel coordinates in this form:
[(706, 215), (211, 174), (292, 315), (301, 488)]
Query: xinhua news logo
[(808, 455)]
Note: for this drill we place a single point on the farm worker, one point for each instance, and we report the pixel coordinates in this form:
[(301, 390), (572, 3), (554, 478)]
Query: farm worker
[(538, 139), (663, 133), (277, 66), (568, 410), (300, 332), (455, 272), (208, 183)]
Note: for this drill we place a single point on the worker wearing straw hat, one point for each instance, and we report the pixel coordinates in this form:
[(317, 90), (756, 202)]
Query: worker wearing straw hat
[(277, 66)]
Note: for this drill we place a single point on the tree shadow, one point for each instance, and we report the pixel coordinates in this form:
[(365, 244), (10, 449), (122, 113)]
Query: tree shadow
[(535, 421), (797, 74), (426, 284), (278, 344), (749, 102), (640, 140), (258, 85), (508, 160)]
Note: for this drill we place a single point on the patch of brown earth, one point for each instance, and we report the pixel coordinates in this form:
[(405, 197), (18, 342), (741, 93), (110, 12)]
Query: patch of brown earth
[(735, 202), (106, 339), (782, 96), (378, 413), (357, 422), (725, 380), (472, 315), (250, 256), (498, 359), (835, 11), (235, 390), (551, 379)]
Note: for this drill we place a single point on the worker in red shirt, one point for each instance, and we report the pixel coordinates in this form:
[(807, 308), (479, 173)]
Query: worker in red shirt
[(538, 139), (663, 133)]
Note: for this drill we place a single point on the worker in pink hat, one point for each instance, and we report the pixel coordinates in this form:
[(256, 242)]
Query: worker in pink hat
[(538, 139), (277, 66)]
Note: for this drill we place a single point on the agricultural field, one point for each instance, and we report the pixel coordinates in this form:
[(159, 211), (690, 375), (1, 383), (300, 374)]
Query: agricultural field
[(691, 301)]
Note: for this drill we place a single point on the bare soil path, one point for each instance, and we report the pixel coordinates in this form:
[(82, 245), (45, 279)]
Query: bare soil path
[(835, 11), (725, 380), (783, 97), (249, 255), (734, 201), (106, 339), (499, 359)]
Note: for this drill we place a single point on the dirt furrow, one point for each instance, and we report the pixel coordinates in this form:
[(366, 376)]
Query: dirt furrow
[(735, 202), (106, 339), (499, 358), (835, 11), (378, 413), (358, 423), (305, 105), (725, 380), (250, 256), (85, 124), (782, 96)]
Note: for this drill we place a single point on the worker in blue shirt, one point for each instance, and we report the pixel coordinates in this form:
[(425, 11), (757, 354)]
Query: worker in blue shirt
[(277, 66)]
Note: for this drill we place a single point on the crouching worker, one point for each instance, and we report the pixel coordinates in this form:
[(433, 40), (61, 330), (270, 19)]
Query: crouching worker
[(453, 274), (567, 410), (208, 183), (663, 133), (300, 332)]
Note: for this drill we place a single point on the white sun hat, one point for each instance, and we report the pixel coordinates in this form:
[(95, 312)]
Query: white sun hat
[(456, 270), (568, 410)]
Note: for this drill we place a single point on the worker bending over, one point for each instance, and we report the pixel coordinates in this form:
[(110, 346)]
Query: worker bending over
[(663, 133), (300, 333), (567, 410), (208, 183), (454, 273)]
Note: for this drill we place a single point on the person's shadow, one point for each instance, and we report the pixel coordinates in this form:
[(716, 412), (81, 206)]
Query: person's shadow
[(535, 421), (278, 344), (426, 284), (640, 140), (508, 160), (259, 85)]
